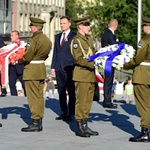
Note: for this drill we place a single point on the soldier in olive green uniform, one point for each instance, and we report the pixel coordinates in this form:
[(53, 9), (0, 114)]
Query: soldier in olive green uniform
[(37, 50), (141, 79), (83, 75)]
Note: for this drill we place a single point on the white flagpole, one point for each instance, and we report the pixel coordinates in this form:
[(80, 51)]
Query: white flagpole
[(139, 19)]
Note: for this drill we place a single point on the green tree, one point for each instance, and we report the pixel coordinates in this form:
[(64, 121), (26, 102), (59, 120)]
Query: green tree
[(125, 11)]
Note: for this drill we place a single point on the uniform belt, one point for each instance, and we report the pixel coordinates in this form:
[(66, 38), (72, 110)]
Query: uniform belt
[(145, 63), (36, 61)]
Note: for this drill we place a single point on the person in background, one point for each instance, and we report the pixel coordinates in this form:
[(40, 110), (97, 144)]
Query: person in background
[(128, 92), (124, 84), (15, 70), (83, 75), (62, 67), (37, 51), (109, 38), (3, 88), (50, 88), (141, 82)]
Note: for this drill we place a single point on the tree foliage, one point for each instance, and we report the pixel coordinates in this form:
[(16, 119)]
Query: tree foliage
[(125, 11)]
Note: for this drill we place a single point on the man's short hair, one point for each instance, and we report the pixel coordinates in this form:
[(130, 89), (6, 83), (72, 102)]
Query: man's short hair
[(16, 31), (65, 17)]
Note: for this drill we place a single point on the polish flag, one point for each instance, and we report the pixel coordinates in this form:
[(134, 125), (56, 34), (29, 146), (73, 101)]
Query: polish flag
[(100, 81)]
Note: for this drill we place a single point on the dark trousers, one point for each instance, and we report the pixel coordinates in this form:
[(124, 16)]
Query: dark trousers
[(96, 93), (13, 76), (108, 83), (66, 84)]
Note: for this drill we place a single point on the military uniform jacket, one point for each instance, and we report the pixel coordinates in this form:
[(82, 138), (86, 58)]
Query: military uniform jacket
[(141, 73), (84, 71), (38, 48)]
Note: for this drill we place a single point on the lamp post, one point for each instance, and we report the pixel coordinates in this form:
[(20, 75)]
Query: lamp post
[(139, 19)]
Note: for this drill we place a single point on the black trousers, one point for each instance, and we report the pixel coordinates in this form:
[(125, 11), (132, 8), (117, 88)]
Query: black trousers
[(66, 84), (13, 76), (96, 93), (108, 83)]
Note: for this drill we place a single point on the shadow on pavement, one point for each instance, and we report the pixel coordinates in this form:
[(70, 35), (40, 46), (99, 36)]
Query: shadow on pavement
[(24, 112), (121, 121), (53, 104), (130, 109)]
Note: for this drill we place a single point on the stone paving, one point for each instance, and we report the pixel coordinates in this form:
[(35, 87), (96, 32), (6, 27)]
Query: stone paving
[(115, 126)]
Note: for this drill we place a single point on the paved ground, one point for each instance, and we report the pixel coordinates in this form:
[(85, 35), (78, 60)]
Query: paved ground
[(115, 126)]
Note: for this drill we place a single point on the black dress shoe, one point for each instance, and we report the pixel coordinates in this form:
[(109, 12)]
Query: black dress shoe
[(2, 95), (61, 117), (4, 92), (0, 125), (111, 105), (119, 101)]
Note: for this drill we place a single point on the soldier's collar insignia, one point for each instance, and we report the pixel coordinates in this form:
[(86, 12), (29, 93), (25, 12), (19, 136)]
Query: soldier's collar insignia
[(28, 44), (139, 45), (75, 45)]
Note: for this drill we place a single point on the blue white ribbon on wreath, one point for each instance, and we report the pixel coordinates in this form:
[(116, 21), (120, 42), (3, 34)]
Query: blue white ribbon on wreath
[(115, 55)]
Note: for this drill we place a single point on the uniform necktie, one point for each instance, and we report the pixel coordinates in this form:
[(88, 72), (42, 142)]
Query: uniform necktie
[(63, 40)]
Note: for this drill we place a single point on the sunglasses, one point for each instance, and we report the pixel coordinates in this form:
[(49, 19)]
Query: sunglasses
[(144, 25), (86, 24)]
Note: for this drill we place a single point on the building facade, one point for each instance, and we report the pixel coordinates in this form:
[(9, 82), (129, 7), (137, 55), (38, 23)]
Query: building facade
[(49, 10), (5, 17), (16, 15)]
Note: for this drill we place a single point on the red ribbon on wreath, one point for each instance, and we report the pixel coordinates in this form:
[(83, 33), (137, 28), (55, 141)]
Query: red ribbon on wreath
[(8, 56)]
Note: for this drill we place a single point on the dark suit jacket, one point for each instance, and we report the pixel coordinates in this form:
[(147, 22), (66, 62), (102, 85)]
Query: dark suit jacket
[(108, 38), (18, 69), (2, 43), (62, 58)]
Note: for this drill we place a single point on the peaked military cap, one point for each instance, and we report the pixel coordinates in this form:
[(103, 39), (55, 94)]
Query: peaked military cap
[(146, 21), (84, 20), (36, 21)]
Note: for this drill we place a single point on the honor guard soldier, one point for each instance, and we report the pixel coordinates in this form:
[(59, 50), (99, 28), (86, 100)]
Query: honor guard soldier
[(37, 51), (141, 82), (83, 75)]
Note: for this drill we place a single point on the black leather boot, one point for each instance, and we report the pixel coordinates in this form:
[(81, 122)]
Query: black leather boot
[(35, 126), (4, 92), (80, 130), (88, 130), (0, 125), (143, 137)]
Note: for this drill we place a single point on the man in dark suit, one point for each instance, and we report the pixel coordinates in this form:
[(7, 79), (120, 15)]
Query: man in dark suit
[(15, 70), (109, 38), (62, 66)]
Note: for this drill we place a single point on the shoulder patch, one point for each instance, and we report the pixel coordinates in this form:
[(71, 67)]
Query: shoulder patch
[(75, 45), (28, 44), (139, 45)]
